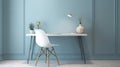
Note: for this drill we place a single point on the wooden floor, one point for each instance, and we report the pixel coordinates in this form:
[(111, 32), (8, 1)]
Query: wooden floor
[(70, 63)]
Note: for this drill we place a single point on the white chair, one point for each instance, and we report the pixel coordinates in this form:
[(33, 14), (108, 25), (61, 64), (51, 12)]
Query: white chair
[(43, 41)]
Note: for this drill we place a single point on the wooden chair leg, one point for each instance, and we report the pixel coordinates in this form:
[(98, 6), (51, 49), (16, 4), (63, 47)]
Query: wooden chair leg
[(56, 56), (38, 57), (48, 58)]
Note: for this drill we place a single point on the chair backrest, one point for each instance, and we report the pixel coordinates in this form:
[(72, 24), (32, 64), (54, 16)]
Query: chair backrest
[(42, 39)]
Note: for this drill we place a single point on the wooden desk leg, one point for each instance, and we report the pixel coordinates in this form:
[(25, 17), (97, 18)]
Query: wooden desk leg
[(82, 50), (29, 50), (33, 45)]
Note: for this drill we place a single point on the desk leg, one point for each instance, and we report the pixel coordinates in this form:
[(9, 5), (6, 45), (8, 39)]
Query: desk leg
[(33, 47), (29, 50), (82, 50)]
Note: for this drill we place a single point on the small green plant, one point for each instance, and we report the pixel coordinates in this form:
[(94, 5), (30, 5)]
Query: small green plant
[(80, 20), (31, 26)]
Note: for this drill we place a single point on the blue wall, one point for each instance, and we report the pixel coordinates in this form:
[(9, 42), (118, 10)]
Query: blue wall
[(53, 14), (118, 26), (13, 29), (106, 29), (0, 29)]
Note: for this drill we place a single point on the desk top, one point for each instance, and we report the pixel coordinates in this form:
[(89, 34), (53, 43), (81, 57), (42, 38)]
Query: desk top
[(61, 34)]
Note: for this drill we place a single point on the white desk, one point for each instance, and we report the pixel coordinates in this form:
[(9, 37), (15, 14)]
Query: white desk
[(63, 34)]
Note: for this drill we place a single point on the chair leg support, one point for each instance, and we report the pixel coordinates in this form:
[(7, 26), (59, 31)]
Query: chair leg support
[(56, 56), (38, 57), (47, 54)]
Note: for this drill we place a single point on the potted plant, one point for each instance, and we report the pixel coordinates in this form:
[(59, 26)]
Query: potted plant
[(80, 28), (31, 27), (38, 24)]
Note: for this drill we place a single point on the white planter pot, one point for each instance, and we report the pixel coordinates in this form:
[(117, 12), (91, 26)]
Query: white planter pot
[(80, 29)]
